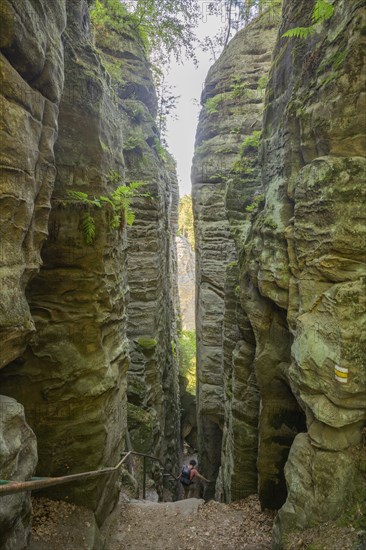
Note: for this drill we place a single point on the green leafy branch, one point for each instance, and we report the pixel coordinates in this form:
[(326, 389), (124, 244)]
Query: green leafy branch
[(119, 203), (322, 11)]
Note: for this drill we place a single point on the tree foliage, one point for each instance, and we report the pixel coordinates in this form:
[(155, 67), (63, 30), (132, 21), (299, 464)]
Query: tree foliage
[(167, 102), (185, 219), (169, 26), (236, 14)]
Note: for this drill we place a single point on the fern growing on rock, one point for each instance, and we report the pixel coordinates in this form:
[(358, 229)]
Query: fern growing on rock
[(119, 204), (322, 11)]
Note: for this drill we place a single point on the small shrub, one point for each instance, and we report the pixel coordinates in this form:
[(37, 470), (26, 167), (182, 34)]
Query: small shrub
[(160, 150)]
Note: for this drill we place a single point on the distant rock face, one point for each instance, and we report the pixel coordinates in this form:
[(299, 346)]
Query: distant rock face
[(186, 283), (224, 183), (72, 376), (31, 65), (18, 459), (297, 219), (153, 302)]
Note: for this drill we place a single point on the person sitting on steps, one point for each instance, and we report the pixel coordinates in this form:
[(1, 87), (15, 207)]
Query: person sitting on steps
[(188, 477)]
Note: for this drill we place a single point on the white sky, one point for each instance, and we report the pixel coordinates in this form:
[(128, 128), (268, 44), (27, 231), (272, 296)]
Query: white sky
[(188, 81)]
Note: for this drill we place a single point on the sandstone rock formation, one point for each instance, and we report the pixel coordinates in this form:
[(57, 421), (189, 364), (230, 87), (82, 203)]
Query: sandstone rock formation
[(313, 175), (186, 283), (32, 81), (71, 378), (153, 301), (224, 180), (18, 459), (300, 275), (32, 77)]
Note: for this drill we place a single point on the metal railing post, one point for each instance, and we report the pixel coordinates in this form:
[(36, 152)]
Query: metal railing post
[(144, 479)]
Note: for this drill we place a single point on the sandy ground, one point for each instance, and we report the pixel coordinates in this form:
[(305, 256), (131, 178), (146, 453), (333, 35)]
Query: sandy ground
[(189, 525), (183, 525)]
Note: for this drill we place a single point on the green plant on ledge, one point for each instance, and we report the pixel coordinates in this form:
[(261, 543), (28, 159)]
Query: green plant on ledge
[(134, 143), (118, 203), (257, 202), (251, 142), (212, 104)]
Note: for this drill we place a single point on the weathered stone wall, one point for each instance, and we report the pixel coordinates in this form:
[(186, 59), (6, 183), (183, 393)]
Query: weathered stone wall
[(300, 277), (18, 459), (32, 79), (311, 265), (71, 377), (225, 178), (153, 373)]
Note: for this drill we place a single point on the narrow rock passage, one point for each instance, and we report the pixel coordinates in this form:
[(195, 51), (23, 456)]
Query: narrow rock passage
[(189, 525)]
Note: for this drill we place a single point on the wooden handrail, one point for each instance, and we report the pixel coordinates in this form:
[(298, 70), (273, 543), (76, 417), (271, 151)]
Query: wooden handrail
[(12, 487), (36, 483)]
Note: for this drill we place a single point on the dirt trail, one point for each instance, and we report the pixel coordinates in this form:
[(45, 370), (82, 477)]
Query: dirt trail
[(189, 525)]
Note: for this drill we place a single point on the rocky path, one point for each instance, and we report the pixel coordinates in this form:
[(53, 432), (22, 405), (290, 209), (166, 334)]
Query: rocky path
[(189, 525)]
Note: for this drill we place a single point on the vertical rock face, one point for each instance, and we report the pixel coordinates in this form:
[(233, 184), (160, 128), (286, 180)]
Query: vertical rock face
[(186, 283), (71, 378), (153, 373), (32, 68), (313, 175), (32, 81), (225, 178), (18, 458), (299, 303)]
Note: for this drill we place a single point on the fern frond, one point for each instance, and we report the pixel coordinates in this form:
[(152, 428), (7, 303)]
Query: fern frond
[(114, 176), (136, 184), (78, 195), (102, 198), (116, 221), (88, 228), (299, 32), (323, 11), (121, 192), (129, 216), (96, 202)]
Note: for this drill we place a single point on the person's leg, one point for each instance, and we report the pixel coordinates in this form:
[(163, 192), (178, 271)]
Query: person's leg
[(191, 490)]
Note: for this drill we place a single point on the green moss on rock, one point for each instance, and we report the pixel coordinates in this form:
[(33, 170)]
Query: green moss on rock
[(147, 343)]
